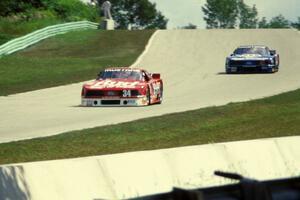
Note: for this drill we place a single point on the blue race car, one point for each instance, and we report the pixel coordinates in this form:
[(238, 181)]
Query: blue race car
[(252, 58)]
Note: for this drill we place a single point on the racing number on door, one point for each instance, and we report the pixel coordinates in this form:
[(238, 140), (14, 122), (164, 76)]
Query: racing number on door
[(126, 93)]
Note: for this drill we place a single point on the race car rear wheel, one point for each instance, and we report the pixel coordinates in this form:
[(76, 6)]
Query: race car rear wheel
[(278, 61)]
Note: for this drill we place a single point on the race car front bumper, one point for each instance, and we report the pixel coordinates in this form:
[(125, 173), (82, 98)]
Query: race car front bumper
[(235, 66), (239, 68), (111, 102)]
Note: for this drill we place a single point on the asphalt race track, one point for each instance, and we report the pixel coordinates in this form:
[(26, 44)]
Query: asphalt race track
[(192, 65)]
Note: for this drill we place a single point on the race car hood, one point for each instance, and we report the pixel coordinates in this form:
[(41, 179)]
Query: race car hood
[(248, 57), (115, 84)]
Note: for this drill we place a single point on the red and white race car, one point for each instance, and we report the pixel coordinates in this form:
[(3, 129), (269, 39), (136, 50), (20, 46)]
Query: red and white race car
[(123, 87)]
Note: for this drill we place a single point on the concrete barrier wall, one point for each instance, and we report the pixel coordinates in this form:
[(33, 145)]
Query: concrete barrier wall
[(134, 174)]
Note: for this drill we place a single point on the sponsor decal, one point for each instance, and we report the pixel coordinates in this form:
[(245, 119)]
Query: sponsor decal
[(156, 88), (250, 55), (122, 70), (114, 84)]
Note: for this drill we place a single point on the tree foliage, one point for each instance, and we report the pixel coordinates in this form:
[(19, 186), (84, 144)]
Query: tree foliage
[(220, 13), (229, 14), (8, 7), (276, 22), (279, 22), (296, 24), (247, 15), (263, 23), (136, 14), (68, 10)]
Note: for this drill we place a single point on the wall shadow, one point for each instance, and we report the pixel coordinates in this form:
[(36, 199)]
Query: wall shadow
[(13, 185)]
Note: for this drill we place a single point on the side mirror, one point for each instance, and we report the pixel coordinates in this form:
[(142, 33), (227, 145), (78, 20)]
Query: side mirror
[(156, 76), (272, 52)]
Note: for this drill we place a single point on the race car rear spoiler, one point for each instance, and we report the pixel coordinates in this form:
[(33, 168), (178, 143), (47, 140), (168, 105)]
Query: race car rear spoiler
[(272, 52), (155, 76)]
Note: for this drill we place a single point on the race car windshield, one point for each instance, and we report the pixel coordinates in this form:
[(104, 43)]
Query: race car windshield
[(260, 51), (132, 75)]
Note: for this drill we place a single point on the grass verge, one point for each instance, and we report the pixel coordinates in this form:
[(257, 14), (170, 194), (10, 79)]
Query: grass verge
[(13, 29), (69, 58), (270, 117)]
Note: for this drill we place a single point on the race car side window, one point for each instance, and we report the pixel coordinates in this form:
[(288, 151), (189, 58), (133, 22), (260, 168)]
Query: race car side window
[(268, 51), (104, 75), (146, 76), (100, 75)]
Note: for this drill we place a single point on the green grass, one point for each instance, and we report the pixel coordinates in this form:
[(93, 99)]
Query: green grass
[(270, 117), (69, 58), (5, 38), (13, 29)]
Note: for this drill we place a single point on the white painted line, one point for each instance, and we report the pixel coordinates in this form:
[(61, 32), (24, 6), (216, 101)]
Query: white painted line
[(138, 60)]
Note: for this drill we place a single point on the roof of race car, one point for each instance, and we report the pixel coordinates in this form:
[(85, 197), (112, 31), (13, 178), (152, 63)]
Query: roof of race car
[(122, 69), (252, 46)]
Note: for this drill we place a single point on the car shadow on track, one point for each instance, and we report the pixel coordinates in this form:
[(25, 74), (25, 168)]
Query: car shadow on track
[(241, 73), (80, 106)]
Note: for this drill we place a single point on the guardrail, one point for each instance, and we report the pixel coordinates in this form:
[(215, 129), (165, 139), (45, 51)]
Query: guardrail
[(36, 36)]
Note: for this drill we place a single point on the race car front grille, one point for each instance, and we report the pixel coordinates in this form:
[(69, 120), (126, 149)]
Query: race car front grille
[(246, 62), (135, 93), (110, 102), (114, 93), (94, 93)]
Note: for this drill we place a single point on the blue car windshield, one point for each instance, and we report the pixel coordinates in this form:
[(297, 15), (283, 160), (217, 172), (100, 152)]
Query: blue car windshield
[(121, 74), (251, 50)]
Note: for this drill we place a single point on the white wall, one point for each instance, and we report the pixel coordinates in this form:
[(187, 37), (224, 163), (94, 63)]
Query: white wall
[(140, 173)]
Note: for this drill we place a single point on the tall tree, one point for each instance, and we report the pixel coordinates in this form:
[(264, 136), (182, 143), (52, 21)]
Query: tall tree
[(279, 22), (137, 14), (276, 22), (296, 24), (247, 15), (263, 23), (220, 13)]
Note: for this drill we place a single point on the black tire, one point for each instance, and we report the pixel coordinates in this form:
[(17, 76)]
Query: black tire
[(278, 62), (277, 66), (273, 70), (270, 70)]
